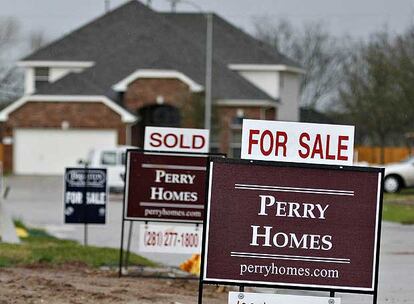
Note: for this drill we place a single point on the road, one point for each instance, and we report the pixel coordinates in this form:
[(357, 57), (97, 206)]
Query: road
[(38, 202)]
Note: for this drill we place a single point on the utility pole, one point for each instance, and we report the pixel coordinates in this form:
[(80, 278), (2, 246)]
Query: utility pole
[(209, 71), (209, 58), (107, 6)]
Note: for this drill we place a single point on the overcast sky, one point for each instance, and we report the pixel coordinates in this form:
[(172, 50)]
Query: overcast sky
[(355, 17)]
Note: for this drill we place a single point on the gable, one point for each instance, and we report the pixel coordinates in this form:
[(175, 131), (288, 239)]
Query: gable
[(125, 115), (122, 85)]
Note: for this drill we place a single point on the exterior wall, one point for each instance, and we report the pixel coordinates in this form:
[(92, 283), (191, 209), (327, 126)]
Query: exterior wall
[(29, 81), (55, 73), (227, 132), (268, 81), (146, 91), (60, 72), (289, 97), (79, 115)]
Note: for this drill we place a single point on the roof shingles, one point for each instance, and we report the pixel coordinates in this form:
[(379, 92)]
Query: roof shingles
[(134, 37)]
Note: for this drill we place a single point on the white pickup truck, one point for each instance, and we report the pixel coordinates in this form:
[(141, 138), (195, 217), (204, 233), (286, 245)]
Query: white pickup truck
[(113, 159)]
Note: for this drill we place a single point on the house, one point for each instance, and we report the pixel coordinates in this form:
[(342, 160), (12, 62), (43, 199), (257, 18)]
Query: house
[(101, 84)]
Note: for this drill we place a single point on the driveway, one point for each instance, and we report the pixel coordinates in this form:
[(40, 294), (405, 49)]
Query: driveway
[(38, 202)]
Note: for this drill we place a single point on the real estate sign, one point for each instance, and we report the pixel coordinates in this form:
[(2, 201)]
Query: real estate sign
[(285, 224), (170, 238), (297, 142), (165, 187), (260, 298), (85, 195), (176, 139)]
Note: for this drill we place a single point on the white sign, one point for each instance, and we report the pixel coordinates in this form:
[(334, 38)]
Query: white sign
[(173, 238), (176, 139), (262, 298), (297, 142)]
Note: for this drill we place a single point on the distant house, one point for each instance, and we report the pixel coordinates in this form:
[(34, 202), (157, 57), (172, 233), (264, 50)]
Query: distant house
[(101, 84)]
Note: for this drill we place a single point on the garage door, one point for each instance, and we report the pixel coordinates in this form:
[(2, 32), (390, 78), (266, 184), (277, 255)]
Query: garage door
[(49, 151)]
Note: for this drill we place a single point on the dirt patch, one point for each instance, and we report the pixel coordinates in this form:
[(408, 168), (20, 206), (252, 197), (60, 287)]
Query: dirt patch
[(75, 284)]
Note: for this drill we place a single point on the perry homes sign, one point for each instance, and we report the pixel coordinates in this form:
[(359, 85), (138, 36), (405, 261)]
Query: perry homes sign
[(297, 142), (165, 187), (292, 225), (176, 140)]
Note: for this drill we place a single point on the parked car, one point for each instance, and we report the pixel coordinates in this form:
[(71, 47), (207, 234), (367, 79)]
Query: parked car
[(113, 159), (399, 175)]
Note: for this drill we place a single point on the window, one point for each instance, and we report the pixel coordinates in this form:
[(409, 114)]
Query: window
[(214, 147), (41, 76), (237, 121), (109, 158), (236, 152), (235, 142)]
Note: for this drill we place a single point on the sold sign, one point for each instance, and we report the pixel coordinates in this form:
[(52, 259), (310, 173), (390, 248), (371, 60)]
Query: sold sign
[(297, 142), (176, 139)]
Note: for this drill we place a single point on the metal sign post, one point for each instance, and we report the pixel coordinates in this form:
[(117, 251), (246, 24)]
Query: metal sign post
[(84, 202)]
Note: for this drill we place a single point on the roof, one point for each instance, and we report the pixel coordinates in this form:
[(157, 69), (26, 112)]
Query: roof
[(134, 37), (231, 44)]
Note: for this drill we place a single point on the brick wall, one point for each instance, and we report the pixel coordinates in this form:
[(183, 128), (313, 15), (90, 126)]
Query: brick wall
[(224, 119), (144, 91), (94, 115)]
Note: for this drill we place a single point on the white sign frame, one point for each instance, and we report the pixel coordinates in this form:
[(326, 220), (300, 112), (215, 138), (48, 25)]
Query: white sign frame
[(176, 140), (297, 142), (180, 238), (260, 298)]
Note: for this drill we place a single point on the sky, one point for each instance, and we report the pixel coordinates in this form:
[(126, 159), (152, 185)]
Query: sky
[(357, 18)]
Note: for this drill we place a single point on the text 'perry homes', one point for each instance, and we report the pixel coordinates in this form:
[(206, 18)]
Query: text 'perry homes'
[(160, 194), (266, 236)]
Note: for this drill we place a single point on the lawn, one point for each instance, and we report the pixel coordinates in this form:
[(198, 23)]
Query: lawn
[(41, 248), (400, 213), (399, 207), (404, 196)]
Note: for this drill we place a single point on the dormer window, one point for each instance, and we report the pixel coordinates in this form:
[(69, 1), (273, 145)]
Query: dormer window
[(41, 75)]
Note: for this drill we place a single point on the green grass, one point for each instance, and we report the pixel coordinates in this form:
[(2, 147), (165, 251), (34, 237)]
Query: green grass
[(399, 207), (400, 213), (405, 195), (42, 248)]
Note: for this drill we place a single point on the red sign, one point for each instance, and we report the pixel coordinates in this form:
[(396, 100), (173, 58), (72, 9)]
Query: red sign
[(165, 187), (292, 225)]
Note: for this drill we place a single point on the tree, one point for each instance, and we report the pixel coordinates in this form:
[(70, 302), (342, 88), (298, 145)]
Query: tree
[(376, 95), (10, 78), (316, 50)]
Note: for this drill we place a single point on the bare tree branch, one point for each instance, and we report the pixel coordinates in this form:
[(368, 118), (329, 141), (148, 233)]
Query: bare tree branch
[(319, 53)]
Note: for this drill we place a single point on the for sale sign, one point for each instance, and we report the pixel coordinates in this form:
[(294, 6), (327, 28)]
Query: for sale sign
[(292, 225), (85, 195), (177, 239), (297, 142), (176, 139), (165, 187)]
